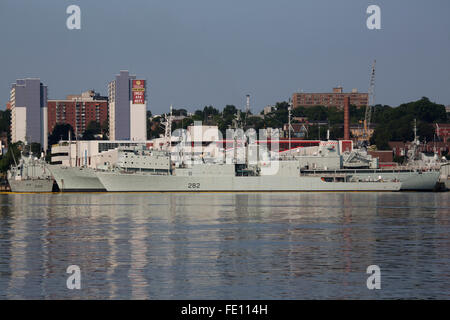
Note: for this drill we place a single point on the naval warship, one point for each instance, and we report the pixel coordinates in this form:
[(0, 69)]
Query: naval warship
[(325, 169), (142, 170), (30, 175), (76, 179), (415, 176)]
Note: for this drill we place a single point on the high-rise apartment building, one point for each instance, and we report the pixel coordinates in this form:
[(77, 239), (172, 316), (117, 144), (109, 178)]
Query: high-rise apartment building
[(78, 111), (330, 99), (29, 112), (127, 108)]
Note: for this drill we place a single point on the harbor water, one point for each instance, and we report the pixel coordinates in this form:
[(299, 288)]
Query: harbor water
[(225, 245)]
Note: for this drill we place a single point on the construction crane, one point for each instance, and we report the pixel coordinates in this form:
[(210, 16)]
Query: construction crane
[(370, 104)]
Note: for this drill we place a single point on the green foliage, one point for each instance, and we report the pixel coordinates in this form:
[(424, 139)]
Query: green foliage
[(336, 132), (36, 148), (316, 113), (255, 123), (206, 114), (60, 132), (179, 112), (94, 126), (8, 159), (5, 123), (92, 130), (396, 124), (154, 128), (399, 159), (392, 124)]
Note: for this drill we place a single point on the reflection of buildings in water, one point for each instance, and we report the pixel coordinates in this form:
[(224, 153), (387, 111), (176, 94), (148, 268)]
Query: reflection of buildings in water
[(114, 255), (27, 226), (241, 245), (30, 259), (7, 249), (305, 239), (179, 247), (77, 236), (138, 243), (442, 219), (347, 234), (191, 240), (82, 229)]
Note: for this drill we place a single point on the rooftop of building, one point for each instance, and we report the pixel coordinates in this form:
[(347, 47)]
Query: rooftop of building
[(335, 90)]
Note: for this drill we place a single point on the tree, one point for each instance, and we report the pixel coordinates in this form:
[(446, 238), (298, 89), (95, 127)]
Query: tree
[(92, 130), (35, 148), (229, 111), (11, 157), (5, 123), (60, 132), (105, 129), (317, 113), (336, 132), (425, 131), (396, 124), (179, 112), (154, 128), (380, 138)]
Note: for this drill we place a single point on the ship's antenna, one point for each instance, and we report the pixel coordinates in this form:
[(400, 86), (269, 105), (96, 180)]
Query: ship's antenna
[(247, 108), (415, 130), (289, 122), (370, 104), (76, 134), (168, 129)]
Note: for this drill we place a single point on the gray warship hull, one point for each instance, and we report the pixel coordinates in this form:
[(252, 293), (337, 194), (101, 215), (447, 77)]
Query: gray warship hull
[(411, 180), (76, 179), (136, 182), (31, 185)]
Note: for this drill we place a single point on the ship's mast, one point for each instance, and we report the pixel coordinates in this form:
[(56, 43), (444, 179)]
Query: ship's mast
[(168, 129), (415, 130), (370, 104), (413, 152), (289, 123), (76, 134), (247, 109)]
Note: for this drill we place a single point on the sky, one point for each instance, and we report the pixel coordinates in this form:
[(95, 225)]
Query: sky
[(207, 52)]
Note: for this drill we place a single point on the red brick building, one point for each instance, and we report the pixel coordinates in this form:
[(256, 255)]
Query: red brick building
[(442, 131), (401, 148), (78, 111), (385, 157), (331, 99)]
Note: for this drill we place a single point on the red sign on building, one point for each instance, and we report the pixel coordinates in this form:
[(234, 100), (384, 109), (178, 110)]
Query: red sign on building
[(138, 91)]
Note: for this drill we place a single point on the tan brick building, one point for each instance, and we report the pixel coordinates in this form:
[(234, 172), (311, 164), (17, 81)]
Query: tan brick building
[(331, 99)]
